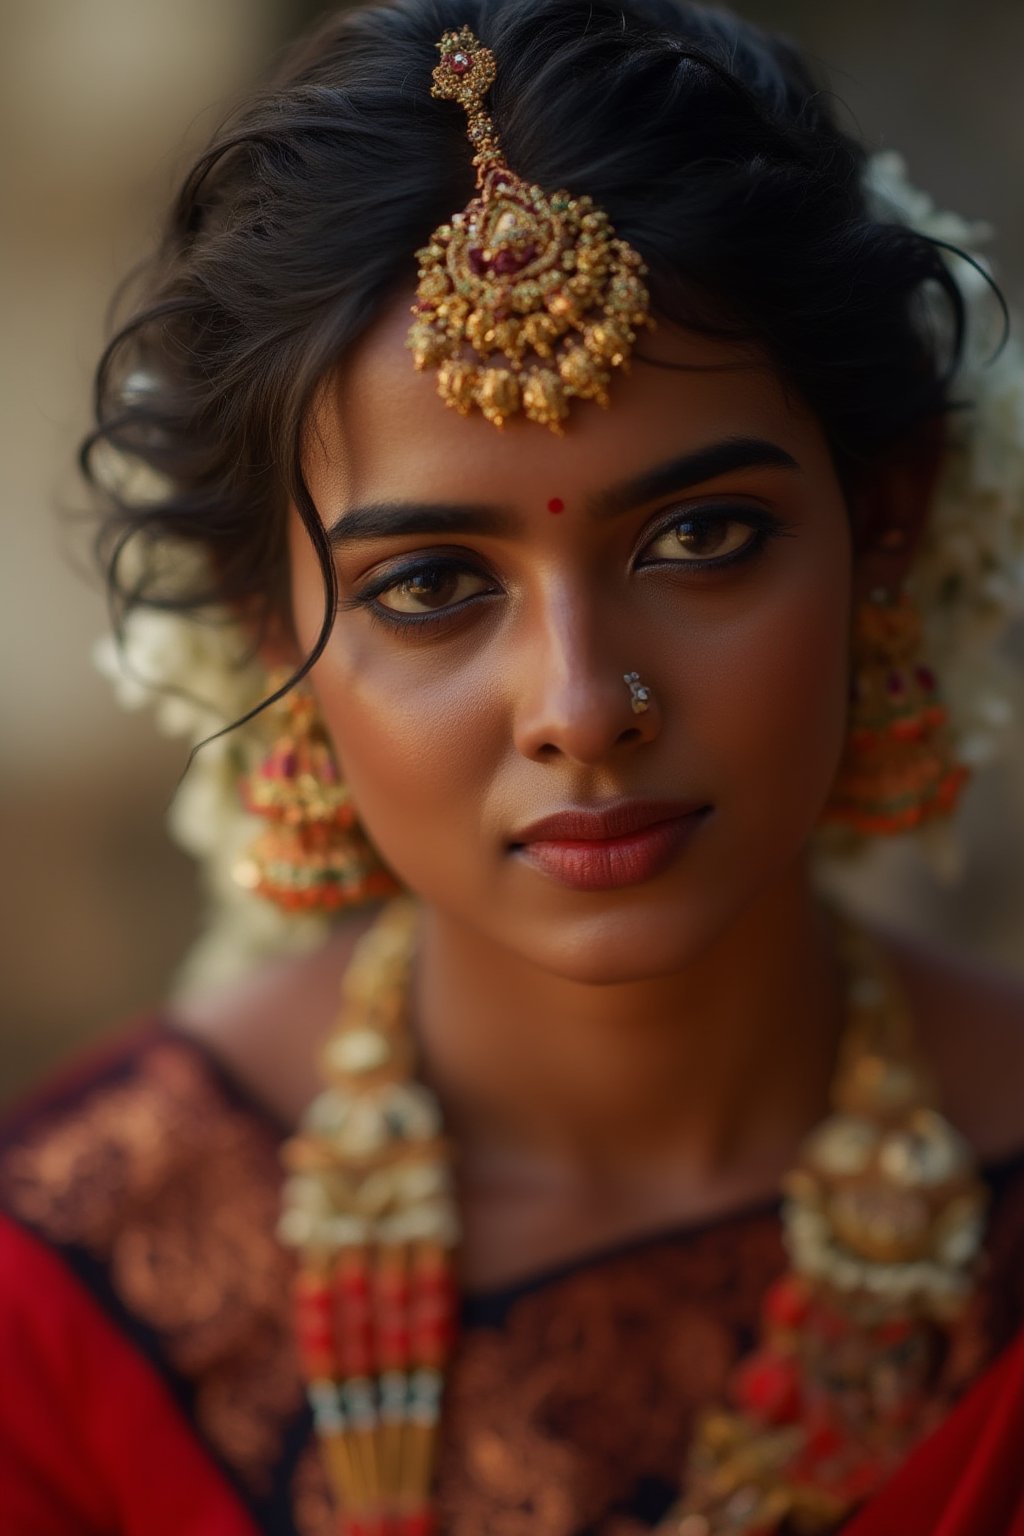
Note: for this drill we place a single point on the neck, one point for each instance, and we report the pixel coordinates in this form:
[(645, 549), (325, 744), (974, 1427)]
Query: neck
[(716, 1070)]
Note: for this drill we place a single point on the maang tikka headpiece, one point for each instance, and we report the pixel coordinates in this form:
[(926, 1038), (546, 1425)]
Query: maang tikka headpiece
[(520, 274)]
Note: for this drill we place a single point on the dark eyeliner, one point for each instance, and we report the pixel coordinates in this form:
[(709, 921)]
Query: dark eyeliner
[(765, 526), (367, 595)]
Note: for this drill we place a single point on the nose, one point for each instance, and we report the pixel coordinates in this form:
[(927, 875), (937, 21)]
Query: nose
[(574, 700)]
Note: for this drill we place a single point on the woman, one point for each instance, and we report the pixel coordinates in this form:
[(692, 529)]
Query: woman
[(570, 602)]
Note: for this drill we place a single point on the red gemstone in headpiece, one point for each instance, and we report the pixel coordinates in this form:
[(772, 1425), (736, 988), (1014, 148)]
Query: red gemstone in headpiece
[(506, 262), (459, 62)]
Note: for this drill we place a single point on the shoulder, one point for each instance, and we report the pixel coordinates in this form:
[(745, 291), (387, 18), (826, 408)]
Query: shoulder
[(265, 1030), (121, 1128), (140, 1191), (135, 1063), (970, 1020)]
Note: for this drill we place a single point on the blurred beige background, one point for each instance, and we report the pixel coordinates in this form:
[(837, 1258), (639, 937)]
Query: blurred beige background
[(100, 104)]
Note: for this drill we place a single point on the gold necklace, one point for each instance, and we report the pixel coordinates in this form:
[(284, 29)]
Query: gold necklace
[(883, 1221)]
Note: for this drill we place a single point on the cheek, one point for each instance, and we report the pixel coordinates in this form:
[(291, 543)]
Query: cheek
[(781, 713), (415, 747), (758, 709), (415, 740)]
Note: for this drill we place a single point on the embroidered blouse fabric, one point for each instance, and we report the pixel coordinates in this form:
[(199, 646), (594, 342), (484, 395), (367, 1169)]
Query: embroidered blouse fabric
[(571, 1397)]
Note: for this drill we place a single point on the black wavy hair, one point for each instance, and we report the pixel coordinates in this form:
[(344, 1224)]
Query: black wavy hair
[(708, 141)]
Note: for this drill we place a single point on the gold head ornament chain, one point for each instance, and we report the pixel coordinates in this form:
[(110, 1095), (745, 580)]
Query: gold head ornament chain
[(525, 299)]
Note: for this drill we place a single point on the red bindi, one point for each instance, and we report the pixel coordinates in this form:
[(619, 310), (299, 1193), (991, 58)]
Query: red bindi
[(556, 504)]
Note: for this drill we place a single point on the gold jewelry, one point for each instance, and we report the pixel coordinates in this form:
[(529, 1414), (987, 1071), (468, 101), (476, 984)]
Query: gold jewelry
[(519, 272), (640, 697), (898, 769), (314, 856), (884, 1217), (370, 1204)]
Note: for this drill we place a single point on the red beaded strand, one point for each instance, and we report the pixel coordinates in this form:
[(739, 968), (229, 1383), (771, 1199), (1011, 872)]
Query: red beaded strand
[(433, 1308), (371, 1330), (353, 1318), (314, 1318)]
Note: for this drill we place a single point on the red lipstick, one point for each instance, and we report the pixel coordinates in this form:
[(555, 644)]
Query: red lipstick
[(614, 846)]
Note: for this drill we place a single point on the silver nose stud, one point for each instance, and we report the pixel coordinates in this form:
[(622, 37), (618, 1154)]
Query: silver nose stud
[(640, 697)]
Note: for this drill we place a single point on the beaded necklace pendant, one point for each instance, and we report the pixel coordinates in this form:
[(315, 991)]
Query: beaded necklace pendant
[(883, 1218), (369, 1202)]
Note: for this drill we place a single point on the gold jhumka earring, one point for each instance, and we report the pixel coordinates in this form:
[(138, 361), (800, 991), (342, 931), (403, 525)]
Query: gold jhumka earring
[(898, 770), (314, 855), (520, 272)]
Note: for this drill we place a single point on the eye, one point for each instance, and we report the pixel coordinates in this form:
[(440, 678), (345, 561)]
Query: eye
[(430, 587), (713, 537)]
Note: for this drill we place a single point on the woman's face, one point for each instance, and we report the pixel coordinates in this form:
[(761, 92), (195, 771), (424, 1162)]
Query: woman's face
[(496, 585)]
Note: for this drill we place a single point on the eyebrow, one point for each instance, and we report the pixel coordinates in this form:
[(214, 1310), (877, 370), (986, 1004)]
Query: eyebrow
[(383, 519)]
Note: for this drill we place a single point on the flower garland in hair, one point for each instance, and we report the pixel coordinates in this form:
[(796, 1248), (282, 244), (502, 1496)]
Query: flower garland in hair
[(199, 675), (967, 579)]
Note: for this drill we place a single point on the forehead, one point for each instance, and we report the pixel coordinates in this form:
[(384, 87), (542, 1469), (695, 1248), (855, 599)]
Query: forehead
[(379, 427)]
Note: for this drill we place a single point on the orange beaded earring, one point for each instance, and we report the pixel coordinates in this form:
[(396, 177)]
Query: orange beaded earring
[(898, 769), (314, 856)]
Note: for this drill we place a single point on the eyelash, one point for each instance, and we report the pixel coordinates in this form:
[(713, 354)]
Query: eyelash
[(764, 525)]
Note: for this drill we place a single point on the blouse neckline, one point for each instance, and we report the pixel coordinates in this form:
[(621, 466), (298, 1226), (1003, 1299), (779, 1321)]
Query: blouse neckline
[(481, 1302)]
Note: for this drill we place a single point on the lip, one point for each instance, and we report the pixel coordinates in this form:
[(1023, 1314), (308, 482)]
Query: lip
[(585, 824), (606, 849)]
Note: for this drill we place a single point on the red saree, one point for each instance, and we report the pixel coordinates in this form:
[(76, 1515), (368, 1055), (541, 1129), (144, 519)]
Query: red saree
[(150, 1386), (967, 1478)]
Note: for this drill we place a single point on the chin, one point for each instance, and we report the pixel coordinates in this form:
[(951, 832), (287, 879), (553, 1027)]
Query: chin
[(624, 941), (656, 929)]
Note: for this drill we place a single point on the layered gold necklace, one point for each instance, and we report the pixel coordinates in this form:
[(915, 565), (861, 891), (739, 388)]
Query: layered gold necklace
[(883, 1220)]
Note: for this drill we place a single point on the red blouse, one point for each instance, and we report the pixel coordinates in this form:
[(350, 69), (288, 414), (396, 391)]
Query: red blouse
[(150, 1386)]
